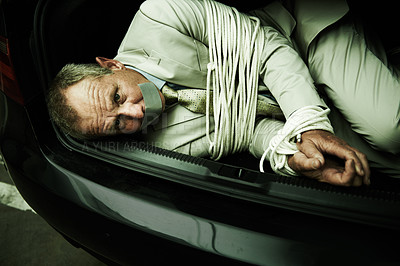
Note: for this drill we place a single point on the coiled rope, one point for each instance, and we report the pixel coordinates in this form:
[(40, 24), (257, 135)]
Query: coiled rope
[(235, 46)]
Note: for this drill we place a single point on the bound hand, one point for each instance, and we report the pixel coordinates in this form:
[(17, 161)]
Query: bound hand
[(325, 157)]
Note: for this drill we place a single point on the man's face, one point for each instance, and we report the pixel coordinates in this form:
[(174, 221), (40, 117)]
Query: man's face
[(109, 105)]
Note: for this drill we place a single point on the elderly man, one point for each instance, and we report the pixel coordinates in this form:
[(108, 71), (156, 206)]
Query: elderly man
[(167, 45)]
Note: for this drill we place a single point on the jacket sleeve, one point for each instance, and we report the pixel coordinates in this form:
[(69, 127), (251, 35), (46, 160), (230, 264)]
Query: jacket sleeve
[(286, 75)]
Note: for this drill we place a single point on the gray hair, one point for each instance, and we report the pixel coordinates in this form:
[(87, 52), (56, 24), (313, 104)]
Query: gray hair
[(61, 113)]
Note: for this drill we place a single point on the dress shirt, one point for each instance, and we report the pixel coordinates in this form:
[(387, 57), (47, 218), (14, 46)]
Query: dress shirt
[(158, 82)]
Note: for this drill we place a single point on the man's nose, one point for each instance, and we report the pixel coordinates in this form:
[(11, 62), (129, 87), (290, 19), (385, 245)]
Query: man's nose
[(131, 110)]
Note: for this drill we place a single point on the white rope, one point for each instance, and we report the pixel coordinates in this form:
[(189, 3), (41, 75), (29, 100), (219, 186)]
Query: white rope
[(284, 143), (235, 47)]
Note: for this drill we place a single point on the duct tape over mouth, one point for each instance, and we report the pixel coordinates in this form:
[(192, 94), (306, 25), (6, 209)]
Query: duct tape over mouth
[(152, 102)]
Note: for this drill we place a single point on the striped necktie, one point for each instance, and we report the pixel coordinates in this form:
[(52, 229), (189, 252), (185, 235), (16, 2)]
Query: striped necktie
[(195, 101)]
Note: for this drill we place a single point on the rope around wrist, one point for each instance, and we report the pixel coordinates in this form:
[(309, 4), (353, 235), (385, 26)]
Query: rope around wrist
[(284, 142)]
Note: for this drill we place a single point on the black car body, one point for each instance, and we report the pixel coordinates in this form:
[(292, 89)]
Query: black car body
[(128, 202)]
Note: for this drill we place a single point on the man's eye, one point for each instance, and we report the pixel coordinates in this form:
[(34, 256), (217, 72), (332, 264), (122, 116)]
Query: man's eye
[(117, 123), (117, 97)]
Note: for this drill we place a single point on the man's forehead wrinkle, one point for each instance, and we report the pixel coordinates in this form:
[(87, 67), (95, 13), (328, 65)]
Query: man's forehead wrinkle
[(103, 106), (92, 100), (90, 96)]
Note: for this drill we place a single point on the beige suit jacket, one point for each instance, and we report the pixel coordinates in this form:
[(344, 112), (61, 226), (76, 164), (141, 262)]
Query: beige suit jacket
[(168, 39)]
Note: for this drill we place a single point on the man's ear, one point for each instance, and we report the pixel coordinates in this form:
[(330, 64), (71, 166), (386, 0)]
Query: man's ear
[(110, 63)]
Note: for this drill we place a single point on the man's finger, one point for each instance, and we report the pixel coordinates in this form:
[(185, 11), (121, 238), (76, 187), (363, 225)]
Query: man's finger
[(367, 171), (349, 174), (312, 153), (358, 181), (301, 163), (361, 165), (347, 153), (341, 176)]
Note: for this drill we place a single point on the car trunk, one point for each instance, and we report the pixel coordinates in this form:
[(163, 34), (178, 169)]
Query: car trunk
[(75, 31)]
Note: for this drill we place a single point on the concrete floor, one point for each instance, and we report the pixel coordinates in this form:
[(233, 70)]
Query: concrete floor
[(26, 239)]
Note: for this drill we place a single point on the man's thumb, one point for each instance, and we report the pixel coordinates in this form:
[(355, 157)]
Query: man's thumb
[(317, 162)]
